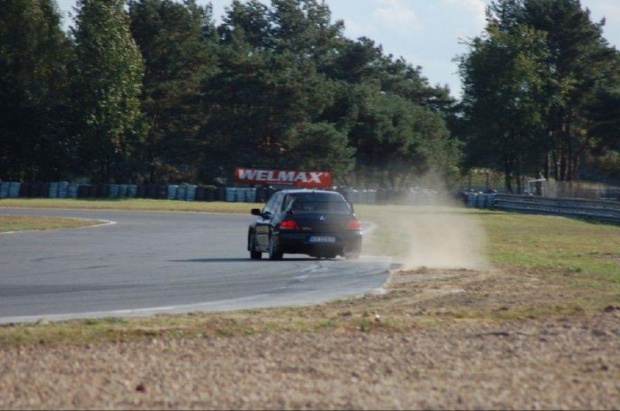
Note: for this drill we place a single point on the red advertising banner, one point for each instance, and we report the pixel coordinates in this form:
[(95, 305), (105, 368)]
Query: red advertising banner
[(319, 179)]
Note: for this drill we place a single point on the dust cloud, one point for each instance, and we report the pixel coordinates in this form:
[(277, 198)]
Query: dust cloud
[(442, 236)]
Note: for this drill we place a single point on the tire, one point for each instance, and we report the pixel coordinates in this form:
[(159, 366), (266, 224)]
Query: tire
[(254, 255), (329, 256), (274, 254), (351, 254)]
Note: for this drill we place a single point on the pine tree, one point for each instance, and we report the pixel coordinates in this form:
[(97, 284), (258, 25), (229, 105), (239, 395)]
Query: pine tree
[(107, 86), (178, 59), (504, 100), (35, 133), (571, 63)]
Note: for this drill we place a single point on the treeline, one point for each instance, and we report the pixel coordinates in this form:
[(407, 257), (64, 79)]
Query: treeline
[(541, 94), (155, 91), (148, 91)]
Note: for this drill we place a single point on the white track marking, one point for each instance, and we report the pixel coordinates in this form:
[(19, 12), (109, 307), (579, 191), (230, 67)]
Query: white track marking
[(138, 312), (103, 224)]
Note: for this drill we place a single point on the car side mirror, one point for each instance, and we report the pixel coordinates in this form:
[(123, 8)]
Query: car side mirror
[(255, 211)]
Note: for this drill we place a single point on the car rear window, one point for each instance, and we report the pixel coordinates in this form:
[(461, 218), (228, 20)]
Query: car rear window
[(316, 202)]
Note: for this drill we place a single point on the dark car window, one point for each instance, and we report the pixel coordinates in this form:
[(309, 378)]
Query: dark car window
[(277, 206), (269, 206), (316, 203)]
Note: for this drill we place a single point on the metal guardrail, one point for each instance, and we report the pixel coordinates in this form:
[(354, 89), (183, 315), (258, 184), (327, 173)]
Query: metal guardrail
[(594, 209)]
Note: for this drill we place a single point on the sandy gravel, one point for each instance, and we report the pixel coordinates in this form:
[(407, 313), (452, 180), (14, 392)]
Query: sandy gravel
[(560, 363)]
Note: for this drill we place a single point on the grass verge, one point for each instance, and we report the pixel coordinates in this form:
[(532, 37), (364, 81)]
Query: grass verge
[(10, 223), (543, 266), (130, 205)]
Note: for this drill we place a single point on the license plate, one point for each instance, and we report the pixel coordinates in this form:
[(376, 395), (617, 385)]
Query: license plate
[(322, 239)]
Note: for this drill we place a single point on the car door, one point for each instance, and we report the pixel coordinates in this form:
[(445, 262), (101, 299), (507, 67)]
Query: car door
[(264, 221)]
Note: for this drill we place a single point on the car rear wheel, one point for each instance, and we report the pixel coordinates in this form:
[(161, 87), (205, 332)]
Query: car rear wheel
[(274, 253), (351, 254), (254, 255)]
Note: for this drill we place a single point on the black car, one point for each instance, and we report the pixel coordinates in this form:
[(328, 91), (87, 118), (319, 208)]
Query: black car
[(314, 222)]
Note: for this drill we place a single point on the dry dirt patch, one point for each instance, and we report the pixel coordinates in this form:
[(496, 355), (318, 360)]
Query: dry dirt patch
[(559, 364), (439, 339)]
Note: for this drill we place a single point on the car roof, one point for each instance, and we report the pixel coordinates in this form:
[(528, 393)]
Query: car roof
[(307, 191)]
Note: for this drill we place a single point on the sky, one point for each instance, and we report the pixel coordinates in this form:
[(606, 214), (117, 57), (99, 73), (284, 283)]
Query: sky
[(426, 33)]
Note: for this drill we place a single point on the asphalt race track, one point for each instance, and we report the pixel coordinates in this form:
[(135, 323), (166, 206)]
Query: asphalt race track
[(148, 262)]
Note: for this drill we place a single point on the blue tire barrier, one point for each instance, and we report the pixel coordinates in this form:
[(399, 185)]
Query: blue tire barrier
[(4, 189), (491, 201), (471, 200), (480, 200), (14, 189), (113, 191), (239, 195), (250, 195), (62, 189), (231, 194), (181, 193), (53, 190), (72, 190), (172, 191), (190, 193), (122, 191)]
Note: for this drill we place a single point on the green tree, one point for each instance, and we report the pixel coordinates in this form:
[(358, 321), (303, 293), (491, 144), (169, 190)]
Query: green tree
[(35, 132), (503, 100), (292, 92), (556, 64), (319, 146), (579, 61), (381, 102), (358, 61), (107, 85), (604, 123), (605, 119), (398, 141), (178, 58), (266, 94)]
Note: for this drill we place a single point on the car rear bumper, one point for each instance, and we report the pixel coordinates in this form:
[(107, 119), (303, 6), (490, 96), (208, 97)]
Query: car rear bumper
[(300, 243)]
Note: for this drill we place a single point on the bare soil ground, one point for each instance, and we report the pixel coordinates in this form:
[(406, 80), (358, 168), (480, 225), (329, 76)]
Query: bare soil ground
[(454, 339)]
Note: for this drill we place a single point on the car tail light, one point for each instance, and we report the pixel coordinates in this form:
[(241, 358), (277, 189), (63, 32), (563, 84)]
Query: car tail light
[(354, 225), (289, 225)]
